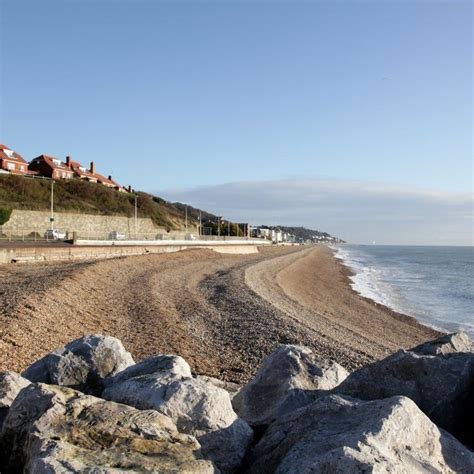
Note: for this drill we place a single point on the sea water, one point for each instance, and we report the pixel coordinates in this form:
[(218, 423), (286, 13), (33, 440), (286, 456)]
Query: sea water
[(433, 284)]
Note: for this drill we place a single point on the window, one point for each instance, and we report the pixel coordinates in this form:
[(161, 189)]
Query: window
[(11, 166)]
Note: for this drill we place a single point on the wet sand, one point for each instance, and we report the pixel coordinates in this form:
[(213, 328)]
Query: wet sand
[(222, 313)]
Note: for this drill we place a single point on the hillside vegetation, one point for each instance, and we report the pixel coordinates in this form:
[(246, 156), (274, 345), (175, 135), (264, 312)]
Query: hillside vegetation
[(307, 234), (17, 192)]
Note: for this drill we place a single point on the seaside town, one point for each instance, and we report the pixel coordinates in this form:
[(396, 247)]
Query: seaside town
[(52, 168)]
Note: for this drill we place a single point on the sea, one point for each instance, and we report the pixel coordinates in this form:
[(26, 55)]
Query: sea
[(433, 284)]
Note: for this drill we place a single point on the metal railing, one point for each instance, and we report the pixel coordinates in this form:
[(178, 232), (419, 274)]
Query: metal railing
[(41, 235), (23, 236)]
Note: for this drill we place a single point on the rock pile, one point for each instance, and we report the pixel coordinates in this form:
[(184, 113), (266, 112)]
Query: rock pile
[(87, 407)]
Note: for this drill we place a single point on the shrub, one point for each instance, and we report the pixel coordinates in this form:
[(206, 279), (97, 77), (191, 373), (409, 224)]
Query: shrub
[(5, 214)]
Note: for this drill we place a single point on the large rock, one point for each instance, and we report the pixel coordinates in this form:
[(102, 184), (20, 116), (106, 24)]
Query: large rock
[(230, 387), (442, 386), (197, 407), (168, 366), (57, 429), (84, 364), (456, 342), (285, 381), (342, 435), (11, 384)]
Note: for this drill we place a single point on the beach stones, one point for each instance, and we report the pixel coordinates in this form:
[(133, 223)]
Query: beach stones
[(83, 364), (441, 385), (286, 380), (197, 407), (57, 429), (11, 384), (339, 434)]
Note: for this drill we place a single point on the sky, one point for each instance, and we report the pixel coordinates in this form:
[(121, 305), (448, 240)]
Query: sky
[(351, 117)]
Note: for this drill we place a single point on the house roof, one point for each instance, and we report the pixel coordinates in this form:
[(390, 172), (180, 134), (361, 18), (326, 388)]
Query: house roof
[(103, 179), (53, 163), (81, 170), (9, 154), (77, 168)]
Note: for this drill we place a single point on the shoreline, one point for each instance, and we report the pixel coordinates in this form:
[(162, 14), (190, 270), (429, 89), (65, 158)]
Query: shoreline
[(222, 313), (349, 272), (314, 290), (352, 273)]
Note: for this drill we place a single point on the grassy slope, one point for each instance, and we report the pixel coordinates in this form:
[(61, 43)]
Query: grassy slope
[(17, 192)]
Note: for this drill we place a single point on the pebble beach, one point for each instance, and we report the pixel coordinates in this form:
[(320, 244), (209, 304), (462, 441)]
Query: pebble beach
[(222, 313)]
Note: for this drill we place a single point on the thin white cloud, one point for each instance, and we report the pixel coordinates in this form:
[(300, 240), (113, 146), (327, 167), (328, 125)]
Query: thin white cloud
[(356, 211)]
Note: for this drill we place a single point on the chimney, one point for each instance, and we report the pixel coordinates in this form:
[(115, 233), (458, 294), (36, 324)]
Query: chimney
[(68, 161), (110, 177), (92, 167), (129, 188)]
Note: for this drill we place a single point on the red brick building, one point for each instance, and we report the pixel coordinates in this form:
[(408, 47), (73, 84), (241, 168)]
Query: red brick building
[(11, 162), (54, 168), (51, 167), (92, 175)]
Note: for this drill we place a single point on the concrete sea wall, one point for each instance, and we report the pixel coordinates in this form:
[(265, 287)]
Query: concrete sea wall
[(33, 254)]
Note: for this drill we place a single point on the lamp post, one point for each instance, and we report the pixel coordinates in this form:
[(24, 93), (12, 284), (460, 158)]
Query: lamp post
[(51, 218), (136, 215), (186, 217)]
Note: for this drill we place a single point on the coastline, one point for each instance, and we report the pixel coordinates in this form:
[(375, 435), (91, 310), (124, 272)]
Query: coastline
[(222, 313), (315, 291), (349, 272)]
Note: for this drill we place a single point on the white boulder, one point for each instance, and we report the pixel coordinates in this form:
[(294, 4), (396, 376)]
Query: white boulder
[(83, 364), (456, 342), (285, 381), (11, 384), (340, 435), (197, 407), (442, 386), (51, 429)]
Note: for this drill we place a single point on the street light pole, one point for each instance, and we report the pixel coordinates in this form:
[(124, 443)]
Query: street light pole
[(218, 226), (136, 215), (228, 228), (186, 217), (51, 218)]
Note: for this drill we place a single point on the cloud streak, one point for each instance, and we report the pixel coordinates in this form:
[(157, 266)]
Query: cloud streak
[(360, 212)]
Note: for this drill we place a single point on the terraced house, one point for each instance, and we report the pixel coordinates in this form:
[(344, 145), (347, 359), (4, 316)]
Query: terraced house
[(12, 162), (51, 167), (54, 168)]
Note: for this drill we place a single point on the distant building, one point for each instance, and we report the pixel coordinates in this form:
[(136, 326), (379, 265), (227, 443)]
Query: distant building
[(11, 162), (91, 175), (51, 167), (82, 172), (261, 232)]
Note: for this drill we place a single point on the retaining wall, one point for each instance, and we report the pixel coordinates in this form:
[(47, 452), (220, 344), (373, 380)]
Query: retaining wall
[(23, 223)]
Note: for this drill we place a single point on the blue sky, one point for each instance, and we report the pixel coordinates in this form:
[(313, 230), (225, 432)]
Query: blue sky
[(171, 96)]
